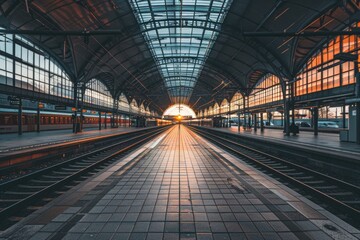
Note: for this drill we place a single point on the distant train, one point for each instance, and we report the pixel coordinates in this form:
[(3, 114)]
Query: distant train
[(51, 120)]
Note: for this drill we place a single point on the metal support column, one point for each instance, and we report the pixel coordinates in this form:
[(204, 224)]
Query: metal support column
[(238, 118), (229, 124), (292, 103), (76, 108), (38, 118), (287, 118), (20, 130), (357, 95), (105, 119), (344, 116), (244, 107), (255, 122), (315, 114), (82, 92), (261, 122), (99, 120)]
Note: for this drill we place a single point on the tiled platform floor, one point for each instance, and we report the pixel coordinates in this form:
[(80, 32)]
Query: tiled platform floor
[(323, 140), (179, 189)]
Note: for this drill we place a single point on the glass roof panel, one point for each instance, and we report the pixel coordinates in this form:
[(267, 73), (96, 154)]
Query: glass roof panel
[(180, 35)]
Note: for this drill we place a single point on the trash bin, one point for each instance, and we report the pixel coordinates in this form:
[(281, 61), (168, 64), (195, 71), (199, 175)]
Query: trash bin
[(344, 135), (294, 128)]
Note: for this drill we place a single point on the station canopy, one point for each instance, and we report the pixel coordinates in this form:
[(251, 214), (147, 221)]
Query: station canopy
[(162, 52), (180, 35)]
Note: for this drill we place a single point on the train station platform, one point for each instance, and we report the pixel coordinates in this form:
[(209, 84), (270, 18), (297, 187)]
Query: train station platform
[(180, 186), (323, 141), (13, 142)]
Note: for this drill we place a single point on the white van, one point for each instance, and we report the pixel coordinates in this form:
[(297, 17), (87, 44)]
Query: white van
[(327, 124)]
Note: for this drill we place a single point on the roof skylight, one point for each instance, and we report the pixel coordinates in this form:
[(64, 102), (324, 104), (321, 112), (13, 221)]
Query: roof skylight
[(180, 35)]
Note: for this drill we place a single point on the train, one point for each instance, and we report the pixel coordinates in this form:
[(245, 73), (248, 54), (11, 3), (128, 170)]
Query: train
[(52, 120)]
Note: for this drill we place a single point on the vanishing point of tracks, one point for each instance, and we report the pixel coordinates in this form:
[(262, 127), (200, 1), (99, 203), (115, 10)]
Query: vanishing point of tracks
[(339, 196)]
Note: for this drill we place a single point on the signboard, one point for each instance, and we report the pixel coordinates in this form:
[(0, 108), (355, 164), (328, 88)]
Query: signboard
[(352, 100), (60, 107), (14, 101)]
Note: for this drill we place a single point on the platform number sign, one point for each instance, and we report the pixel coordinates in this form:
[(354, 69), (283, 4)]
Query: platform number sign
[(14, 101)]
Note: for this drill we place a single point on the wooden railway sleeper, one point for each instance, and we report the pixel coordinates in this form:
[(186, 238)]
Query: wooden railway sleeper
[(340, 194), (326, 187), (43, 181), (70, 170), (292, 171), (52, 177), (17, 193), (60, 173)]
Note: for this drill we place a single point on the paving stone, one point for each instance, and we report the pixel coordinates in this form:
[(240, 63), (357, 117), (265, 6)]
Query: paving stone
[(179, 190)]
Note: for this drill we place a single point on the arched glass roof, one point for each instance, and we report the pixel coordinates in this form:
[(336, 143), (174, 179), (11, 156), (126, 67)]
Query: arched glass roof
[(180, 35), (179, 109)]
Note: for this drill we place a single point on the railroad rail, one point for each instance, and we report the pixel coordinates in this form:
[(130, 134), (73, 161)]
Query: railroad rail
[(22, 192), (340, 196)]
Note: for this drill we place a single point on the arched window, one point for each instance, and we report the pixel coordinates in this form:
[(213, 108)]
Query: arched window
[(216, 109), (224, 107), (206, 112), (142, 108), (211, 111), (26, 66), (134, 106), (123, 103), (237, 102), (97, 93), (267, 90), (323, 71)]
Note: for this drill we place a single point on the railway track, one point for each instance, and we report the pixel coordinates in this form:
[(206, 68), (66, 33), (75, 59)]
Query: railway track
[(341, 197), (18, 195)]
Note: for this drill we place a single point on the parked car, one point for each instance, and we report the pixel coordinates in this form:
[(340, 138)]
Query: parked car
[(302, 124), (327, 124), (233, 123), (266, 123)]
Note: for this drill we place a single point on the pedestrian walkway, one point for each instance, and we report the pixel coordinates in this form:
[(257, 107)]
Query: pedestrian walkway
[(181, 187), (323, 140)]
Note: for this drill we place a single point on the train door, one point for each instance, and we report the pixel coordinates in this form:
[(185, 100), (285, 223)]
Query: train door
[(30, 123)]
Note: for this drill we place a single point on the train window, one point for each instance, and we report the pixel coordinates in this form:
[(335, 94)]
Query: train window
[(8, 120)]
